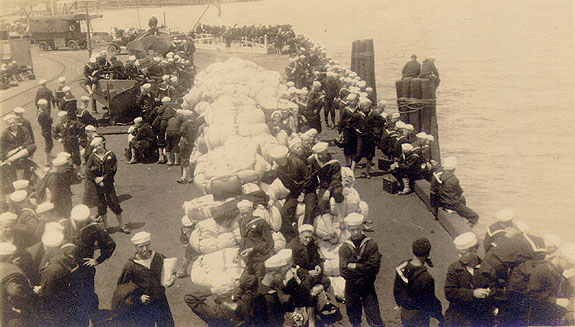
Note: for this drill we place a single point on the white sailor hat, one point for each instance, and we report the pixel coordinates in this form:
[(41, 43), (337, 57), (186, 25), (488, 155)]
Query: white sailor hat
[(364, 95), (62, 114), (80, 213), (381, 103), (62, 79), (244, 204), (132, 58), (399, 124), (20, 184), (85, 98), (316, 84), (8, 219), (59, 161), (174, 79), (421, 135), (44, 207), (53, 227), (42, 82), (170, 60), (279, 260), (354, 219), (7, 248), (42, 102), (279, 152), (408, 127), (147, 86), (568, 252), (66, 88), (90, 128), (92, 60), (138, 120), (64, 155), (521, 226), (351, 97), (53, 238), (430, 138), (186, 221), (165, 77), (320, 147), (305, 228), (465, 241), (97, 141), (364, 100), (176, 57), (19, 196), (19, 110), (299, 91), (157, 59), (103, 53), (395, 115), (163, 62), (170, 55), (342, 79), (369, 89), (291, 90), (285, 254), (141, 237), (362, 84), (552, 240), (449, 163), (166, 99), (406, 147), (290, 84), (505, 215), (348, 79)]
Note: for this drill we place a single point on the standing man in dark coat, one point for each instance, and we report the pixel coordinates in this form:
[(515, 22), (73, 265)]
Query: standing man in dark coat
[(411, 69), (293, 174), (45, 122), (414, 288), (359, 263), (58, 181), (256, 243), (447, 193), (144, 270), (88, 236), (69, 103), (101, 168), (313, 107), (69, 133), (331, 88), (428, 70), (59, 92), (468, 305), (44, 93), (146, 103)]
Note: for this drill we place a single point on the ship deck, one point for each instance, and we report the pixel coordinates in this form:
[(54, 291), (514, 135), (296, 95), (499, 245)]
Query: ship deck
[(152, 200)]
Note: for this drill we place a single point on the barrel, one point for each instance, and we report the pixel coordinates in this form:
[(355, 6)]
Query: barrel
[(415, 88), (402, 87), (363, 62), (427, 88)]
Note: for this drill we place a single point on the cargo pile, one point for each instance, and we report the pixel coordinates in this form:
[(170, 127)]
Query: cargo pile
[(236, 98)]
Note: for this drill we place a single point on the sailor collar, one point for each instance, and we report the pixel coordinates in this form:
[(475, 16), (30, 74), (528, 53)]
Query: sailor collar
[(403, 267), (322, 164), (104, 157), (145, 263)]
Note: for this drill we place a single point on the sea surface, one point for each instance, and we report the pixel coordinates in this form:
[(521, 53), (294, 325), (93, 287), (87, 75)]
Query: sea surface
[(506, 100)]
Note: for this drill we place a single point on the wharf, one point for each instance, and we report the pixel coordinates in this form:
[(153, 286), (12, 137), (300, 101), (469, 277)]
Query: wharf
[(152, 201)]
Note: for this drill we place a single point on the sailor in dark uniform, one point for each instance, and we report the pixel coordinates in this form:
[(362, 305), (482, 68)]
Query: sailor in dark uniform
[(325, 175), (19, 113), (83, 115), (144, 270), (349, 138), (69, 103), (68, 132), (58, 181), (468, 305), (497, 229), (44, 93), (256, 243), (414, 288), (428, 70), (133, 72), (146, 103), (88, 236), (142, 144), (59, 92), (359, 126), (45, 122), (359, 263), (412, 68)]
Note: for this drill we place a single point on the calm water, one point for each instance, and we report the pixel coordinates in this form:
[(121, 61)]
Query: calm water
[(506, 100)]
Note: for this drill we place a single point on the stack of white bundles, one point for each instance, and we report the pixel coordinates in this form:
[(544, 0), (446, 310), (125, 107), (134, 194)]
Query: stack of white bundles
[(220, 271), (208, 236), (200, 208)]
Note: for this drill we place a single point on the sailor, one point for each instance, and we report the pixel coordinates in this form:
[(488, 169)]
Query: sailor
[(27, 218), (144, 270), (325, 175), (447, 193), (154, 71), (142, 144), (331, 89), (59, 92), (468, 305), (91, 75), (117, 69), (497, 229), (173, 121), (90, 134), (178, 88), (58, 181), (45, 212), (293, 173), (313, 107), (69, 133), (428, 70), (407, 168), (102, 61), (414, 288), (16, 146), (19, 113), (83, 115), (190, 255), (348, 136), (359, 264), (403, 133), (188, 132), (271, 301), (18, 300), (87, 236), (146, 102), (256, 239), (69, 103), (411, 69), (164, 89), (10, 233), (100, 191), (308, 258), (44, 93), (359, 125), (57, 301), (45, 122), (133, 72)]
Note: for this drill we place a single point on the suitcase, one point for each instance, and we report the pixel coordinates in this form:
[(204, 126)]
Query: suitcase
[(390, 184)]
